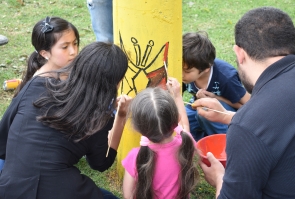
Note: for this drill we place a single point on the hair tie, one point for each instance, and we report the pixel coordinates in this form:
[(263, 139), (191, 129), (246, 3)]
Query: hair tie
[(178, 129), (46, 27), (144, 141)]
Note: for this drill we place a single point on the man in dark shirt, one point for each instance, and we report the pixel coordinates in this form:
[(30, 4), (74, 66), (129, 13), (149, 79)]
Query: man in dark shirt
[(261, 135)]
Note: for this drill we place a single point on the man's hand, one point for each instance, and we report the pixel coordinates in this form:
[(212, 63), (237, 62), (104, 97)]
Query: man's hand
[(213, 174)]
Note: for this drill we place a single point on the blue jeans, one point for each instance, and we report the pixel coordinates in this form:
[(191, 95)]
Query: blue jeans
[(107, 195), (101, 13), (201, 127), (1, 164)]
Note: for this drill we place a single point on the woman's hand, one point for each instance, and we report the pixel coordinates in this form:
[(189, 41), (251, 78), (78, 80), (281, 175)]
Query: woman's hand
[(123, 102), (115, 133)]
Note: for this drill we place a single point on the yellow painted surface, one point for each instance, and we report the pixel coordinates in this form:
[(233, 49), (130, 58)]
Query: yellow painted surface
[(145, 29)]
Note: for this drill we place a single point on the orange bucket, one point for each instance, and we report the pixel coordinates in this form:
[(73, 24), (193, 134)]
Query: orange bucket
[(216, 145)]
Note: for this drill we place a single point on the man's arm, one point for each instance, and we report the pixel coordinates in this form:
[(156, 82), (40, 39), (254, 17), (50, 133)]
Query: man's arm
[(249, 164), (203, 93)]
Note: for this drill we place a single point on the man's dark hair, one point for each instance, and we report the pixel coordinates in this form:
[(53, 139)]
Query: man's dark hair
[(265, 32)]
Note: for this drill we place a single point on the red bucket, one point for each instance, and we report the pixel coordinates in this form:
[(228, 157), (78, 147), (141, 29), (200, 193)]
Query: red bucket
[(216, 145)]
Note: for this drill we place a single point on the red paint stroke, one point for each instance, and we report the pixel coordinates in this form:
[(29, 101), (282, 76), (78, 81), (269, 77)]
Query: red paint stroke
[(166, 52), (157, 78)]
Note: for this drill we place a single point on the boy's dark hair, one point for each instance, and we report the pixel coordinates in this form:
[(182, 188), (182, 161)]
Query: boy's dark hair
[(198, 51), (44, 39), (265, 32), (154, 114), (82, 104)]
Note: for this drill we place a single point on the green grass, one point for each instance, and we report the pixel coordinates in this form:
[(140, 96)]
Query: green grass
[(217, 17)]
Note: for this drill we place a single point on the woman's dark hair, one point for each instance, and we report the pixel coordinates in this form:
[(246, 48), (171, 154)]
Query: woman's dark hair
[(197, 50), (154, 114), (82, 104), (44, 36)]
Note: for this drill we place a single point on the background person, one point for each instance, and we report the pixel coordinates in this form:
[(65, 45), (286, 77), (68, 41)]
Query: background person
[(56, 42), (101, 14)]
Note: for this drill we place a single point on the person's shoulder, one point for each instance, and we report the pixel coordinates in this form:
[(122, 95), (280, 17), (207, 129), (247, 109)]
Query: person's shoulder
[(33, 85), (133, 151), (131, 156), (221, 63), (36, 80), (224, 68)]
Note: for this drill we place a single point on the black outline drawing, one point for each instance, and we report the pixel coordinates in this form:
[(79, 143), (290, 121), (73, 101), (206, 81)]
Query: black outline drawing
[(141, 64)]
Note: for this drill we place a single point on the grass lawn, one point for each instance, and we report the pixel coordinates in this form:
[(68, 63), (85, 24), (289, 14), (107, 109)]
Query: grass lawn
[(217, 17)]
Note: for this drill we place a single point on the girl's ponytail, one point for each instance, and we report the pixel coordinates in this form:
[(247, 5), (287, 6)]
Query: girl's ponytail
[(35, 62), (189, 173), (145, 165)]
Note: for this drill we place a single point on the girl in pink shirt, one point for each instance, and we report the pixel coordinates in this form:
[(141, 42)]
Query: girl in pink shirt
[(162, 167)]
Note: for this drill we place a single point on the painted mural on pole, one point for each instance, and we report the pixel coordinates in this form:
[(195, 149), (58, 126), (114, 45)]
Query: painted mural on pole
[(140, 62)]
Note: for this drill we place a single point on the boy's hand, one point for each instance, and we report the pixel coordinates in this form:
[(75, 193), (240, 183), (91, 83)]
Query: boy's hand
[(203, 93)]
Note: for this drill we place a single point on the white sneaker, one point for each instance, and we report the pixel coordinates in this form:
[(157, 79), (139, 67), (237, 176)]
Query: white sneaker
[(3, 40)]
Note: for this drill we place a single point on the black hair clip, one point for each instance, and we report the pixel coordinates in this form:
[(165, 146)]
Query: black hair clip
[(46, 27)]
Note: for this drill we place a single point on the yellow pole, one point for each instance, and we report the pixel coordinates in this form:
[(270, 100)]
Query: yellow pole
[(150, 32)]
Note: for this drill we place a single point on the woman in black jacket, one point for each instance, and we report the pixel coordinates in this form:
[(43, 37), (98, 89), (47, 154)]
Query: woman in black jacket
[(57, 118)]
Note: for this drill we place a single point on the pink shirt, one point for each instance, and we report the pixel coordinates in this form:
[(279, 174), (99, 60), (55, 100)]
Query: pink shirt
[(167, 168)]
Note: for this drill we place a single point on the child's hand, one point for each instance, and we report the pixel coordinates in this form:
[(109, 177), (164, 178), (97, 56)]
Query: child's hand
[(203, 93), (123, 104), (173, 86)]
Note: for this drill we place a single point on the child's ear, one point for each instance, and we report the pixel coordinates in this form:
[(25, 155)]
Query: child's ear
[(240, 54), (207, 70), (45, 54)]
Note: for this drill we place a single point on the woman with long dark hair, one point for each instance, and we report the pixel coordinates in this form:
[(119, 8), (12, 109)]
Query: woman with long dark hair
[(57, 118)]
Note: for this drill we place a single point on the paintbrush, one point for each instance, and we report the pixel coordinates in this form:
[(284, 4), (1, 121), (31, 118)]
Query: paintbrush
[(165, 57), (165, 65), (209, 109)]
